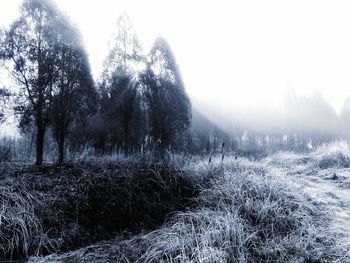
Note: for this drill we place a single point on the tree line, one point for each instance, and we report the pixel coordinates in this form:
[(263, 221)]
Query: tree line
[(299, 124), (139, 102)]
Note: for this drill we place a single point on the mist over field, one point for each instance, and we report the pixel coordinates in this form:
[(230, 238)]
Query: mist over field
[(163, 131)]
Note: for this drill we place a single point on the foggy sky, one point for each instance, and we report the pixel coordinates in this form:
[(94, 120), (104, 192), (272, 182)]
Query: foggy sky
[(242, 53)]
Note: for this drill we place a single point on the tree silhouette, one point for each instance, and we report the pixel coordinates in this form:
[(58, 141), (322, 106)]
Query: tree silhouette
[(75, 96), (169, 105), (29, 49), (121, 102)]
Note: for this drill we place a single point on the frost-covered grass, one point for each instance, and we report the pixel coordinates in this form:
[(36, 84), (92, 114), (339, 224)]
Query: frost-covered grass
[(332, 155), (21, 229), (56, 208), (241, 214), (242, 218), (186, 209), (330, 162)]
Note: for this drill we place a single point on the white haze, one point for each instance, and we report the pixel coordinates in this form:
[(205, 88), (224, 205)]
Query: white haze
[(233, 55)]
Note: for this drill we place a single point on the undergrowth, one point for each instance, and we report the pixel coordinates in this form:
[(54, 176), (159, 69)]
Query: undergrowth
[(55, 208), (21, 230), (240, 215), (243, 218)]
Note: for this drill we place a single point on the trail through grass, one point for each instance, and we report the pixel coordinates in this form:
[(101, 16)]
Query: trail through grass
[(326, 184)]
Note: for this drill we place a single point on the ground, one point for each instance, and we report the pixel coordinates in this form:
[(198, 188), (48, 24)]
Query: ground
[(287, 207)]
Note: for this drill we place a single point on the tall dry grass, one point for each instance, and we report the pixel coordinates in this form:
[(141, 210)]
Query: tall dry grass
[(21, 230), (53, 208), (240, 215), (243, 218)]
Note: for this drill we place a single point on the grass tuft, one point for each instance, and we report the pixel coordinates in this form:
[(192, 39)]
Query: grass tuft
[(332, 155), (21, 230)]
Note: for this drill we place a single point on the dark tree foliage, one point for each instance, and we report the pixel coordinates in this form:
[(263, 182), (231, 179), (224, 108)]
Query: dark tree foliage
[(29, 48), (75, 96), (206, 137), (123, 115), (169, 105), (44, 54), (121, 108), (141, 101)]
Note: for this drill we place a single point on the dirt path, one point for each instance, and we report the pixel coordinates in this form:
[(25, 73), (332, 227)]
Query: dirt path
[(326, 192)]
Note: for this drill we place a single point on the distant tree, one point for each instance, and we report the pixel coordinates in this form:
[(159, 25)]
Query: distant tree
[(310, 119), (125, 51), (319, 119), (29, 49), (291, 118), (345, 118), (140, 95), (200, 129), (169, 106)]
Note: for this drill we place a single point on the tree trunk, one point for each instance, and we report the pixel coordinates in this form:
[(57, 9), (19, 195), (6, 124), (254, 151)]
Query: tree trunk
[(126, 138), (61, 150), (39, 144), (40, 130)]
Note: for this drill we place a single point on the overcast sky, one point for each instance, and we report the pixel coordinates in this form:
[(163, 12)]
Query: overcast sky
[(231, 52)]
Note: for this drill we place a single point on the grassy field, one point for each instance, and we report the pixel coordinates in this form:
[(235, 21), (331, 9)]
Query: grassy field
[(185, 209)]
